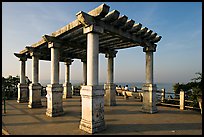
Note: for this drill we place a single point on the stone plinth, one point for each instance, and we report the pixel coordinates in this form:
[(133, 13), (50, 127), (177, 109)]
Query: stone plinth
[(54, 100), (149, 98), (35, 96), (110, 93), (92, 109), (22, 93), (67, 90)]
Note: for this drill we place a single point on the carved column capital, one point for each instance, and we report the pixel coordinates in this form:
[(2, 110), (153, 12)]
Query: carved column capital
[(151, 48), (53, 42), (93, 29), (68, 61), (36, 54), (111, 54), (53, 45), (23, 59)]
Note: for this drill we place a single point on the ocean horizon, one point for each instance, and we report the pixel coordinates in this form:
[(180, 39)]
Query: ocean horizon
[(167, 86)]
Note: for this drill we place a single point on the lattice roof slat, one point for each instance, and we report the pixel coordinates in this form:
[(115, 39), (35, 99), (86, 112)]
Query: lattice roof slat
[(119, 33)]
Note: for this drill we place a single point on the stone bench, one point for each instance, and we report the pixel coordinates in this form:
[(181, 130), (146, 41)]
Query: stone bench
[(135, 95)]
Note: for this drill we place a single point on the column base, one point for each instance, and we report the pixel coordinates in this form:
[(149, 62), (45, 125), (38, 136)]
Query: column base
[(35, 96), (22, 93), (110, 93), (149, 98), (67, 90), (90, 127), (92, 109), (54, 100)]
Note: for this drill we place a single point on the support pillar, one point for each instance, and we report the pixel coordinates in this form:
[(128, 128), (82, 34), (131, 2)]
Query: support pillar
[(35, 87), (92, 94), (163, 95), (22, 86), (67, 91), (54, 90), (84, 71), (149, 89), (110, 87)]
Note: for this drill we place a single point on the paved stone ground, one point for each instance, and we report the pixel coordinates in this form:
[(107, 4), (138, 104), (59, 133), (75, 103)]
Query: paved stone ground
[(125, 118)]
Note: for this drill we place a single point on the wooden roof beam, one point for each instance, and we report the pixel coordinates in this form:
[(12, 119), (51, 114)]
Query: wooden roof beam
[(87, 20), (105, 37), (147, 34), (120, 21), (111, 16), (29, 48), (135, 28), (18, 55), (100, 12), (156, 39), (74, 45), (117, 31), (141, 31), (126, 46), (152, 36), (128, 25), (115, 44), (73, 34), (109, 40), (49, 39)]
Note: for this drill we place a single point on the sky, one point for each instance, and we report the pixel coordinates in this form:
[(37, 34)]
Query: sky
[(177, 59)]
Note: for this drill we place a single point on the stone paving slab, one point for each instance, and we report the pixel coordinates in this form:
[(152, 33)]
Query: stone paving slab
[(125, 118)]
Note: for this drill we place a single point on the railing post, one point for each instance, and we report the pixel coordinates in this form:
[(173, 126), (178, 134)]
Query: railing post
[(4, 105), (200, 104), (182, 100), (4, 100), (162, 94)]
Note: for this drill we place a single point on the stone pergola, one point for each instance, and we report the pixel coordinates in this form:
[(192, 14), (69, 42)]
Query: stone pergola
[(98, 31)]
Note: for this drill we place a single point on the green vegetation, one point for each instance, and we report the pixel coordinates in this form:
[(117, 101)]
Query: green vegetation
[(9, 86), (192, 89)]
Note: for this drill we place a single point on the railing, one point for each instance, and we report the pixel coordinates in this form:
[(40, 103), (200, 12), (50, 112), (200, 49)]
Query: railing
[(178, 100), (3, 101), (4, 104)]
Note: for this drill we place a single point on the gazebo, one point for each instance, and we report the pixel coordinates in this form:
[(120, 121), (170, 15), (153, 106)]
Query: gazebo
[(98, 31)]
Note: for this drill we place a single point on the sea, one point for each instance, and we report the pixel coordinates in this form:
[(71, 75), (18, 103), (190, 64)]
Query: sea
[(167, 86)]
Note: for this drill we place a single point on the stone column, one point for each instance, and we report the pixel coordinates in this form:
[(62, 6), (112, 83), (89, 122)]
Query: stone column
[(54, 90), (110, 88), (182, 100), (149, 88), (22, 86), (84, 71), (92, 94), (35, 87), (92, 58), (67, 92), (149, 67), (163, 95)]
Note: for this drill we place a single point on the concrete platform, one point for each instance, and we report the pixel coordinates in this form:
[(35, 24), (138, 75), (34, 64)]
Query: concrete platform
[(124, 118)]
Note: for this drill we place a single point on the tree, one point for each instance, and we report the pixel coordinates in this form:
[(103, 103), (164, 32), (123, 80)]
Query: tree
[(193, 89), (9, 86)]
